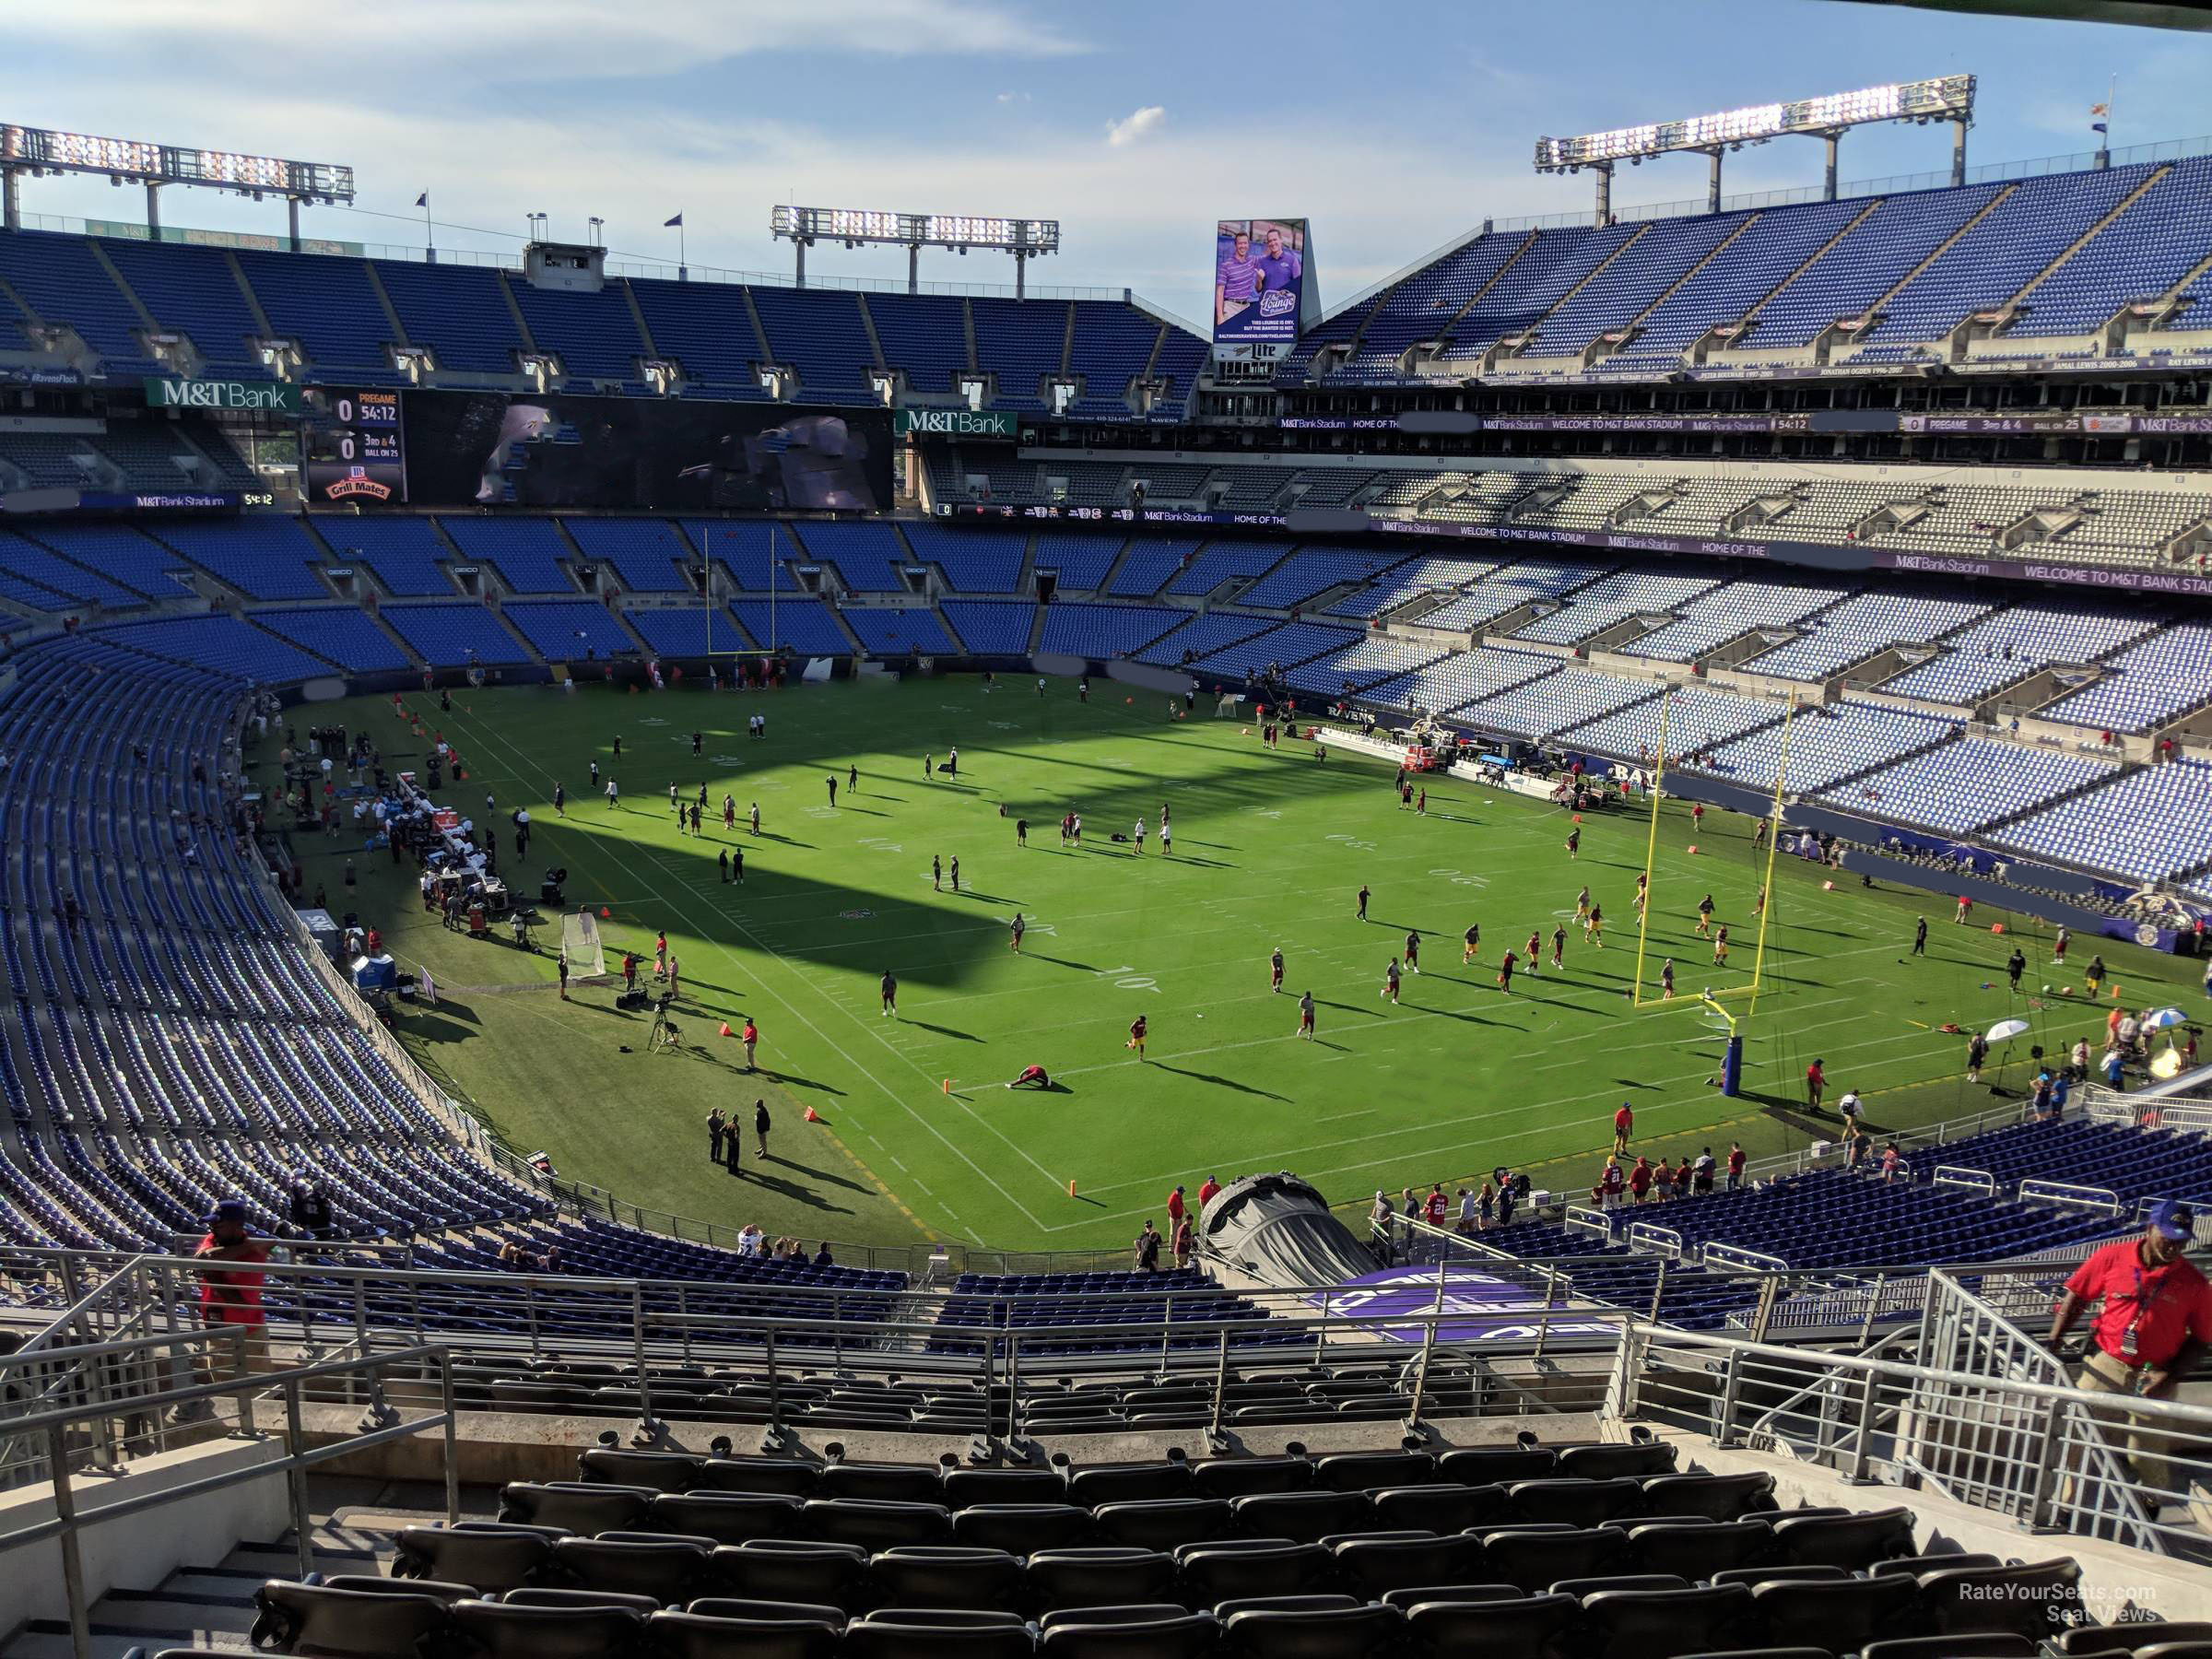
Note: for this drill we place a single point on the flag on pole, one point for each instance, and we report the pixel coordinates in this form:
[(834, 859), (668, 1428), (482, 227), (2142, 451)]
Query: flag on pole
[(2099, 110), (423, 200), (674, 224)]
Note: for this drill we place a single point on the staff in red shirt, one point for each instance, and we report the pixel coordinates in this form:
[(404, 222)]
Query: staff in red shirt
[(1816, 1083), (2154, 1319), (1624, 1122), (1640, 1180), (1175, 1207), (1206, 1189), (1735, 1165), (232, 1296)]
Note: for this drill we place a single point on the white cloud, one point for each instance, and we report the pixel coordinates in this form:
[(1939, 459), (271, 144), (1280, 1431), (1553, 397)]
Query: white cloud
[(527, 40), (1007, 98), (1137, 124)]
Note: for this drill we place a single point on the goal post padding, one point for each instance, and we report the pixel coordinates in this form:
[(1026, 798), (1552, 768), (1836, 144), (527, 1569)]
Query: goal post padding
[(581, 943)]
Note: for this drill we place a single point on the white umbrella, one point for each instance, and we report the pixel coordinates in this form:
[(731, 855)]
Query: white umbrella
[(2005, 1031), (2163, 1018)]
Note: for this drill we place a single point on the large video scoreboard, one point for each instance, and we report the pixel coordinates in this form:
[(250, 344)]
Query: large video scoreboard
[(352, 447)]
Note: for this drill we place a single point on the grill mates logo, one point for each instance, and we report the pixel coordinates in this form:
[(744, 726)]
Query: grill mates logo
[(357, 483)]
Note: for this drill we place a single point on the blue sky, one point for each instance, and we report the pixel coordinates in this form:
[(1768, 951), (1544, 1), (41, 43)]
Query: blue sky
[(1394, 125)]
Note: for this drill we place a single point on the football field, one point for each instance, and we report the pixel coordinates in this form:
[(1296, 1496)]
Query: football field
[(917, 1137)]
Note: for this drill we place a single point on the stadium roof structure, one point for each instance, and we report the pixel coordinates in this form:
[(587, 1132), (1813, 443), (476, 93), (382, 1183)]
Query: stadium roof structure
[(2134, 14)]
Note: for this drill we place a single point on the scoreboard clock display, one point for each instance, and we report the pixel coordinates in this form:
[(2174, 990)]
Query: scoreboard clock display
[(351, 450)]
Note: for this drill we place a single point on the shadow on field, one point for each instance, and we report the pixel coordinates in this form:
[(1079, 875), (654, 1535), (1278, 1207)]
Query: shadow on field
[(1223, 1082), (1793, 1115), (1061, 961), (1348, 1007), (607, 1008), (749, 1169), (1455, 1014), (923, 1025), (446, 1021)]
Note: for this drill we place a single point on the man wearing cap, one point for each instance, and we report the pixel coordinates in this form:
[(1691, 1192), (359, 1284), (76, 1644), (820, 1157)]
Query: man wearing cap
[(233, 1297), (2156, 1318)]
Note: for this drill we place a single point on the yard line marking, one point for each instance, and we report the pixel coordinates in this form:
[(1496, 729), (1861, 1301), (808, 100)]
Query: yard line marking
[(730, 957), (1478, 1118)]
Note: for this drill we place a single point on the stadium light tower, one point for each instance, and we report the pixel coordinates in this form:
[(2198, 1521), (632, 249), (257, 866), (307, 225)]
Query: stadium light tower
[(1025, 238), (1947, 98), (28, 152)]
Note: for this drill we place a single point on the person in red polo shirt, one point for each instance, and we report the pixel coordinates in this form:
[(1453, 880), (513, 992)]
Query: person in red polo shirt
[(1624, 1124), (2154, 1319), (1206, 1189), (1175, 1207), (1640, 1180), (1816, 1084)]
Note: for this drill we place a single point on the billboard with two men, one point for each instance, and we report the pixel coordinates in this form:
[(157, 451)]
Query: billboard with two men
[(1263, 287)]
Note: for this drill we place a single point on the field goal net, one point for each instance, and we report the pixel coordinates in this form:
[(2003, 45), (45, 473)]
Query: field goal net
[(1703, 985), (581, 943)]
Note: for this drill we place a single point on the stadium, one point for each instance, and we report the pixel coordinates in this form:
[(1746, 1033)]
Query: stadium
[(733, 964)]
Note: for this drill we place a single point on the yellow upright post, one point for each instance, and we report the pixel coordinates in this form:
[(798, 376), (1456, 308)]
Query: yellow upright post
[(1766, 914), (1651, 847)]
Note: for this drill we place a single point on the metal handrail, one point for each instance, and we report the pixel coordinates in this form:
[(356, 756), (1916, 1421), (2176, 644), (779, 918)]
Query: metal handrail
[(570, 1286), (68, 1521)]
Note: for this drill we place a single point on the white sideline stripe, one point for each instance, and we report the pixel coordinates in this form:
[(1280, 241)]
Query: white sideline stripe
[(1478, 1118), (1670, 870), (730, 957)]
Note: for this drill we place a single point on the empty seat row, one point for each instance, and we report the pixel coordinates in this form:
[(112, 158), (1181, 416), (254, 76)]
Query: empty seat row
[(1935, 1606)]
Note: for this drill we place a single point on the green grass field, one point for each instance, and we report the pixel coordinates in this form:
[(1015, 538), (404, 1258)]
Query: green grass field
[(1269, 850)]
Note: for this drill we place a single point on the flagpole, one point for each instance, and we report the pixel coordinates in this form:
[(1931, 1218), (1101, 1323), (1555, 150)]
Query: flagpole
[(429, 237)]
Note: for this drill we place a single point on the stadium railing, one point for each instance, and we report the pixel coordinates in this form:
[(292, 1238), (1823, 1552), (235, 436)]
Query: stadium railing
[(645, 1328), (1970, 1406), (284, 1445), (2191, 1116), (1780, 1303), (1970, 1403)]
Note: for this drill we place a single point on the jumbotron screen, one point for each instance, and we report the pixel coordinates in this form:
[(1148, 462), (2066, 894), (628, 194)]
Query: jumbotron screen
[(555, 450), (1259, 280)]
